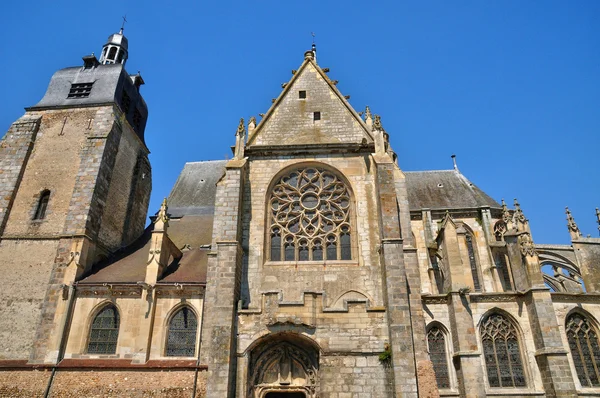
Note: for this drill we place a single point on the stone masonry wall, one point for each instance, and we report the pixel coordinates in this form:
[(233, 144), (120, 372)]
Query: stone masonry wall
[(293, 116), (53, 164), (25, 268), (355, 377), (15, 149), (121, 184)]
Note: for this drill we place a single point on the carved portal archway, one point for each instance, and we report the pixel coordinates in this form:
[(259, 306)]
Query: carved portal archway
[(284, 367)]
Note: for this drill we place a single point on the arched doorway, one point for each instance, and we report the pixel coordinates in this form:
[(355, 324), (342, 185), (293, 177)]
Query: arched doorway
[(285, 395), (284, 366)]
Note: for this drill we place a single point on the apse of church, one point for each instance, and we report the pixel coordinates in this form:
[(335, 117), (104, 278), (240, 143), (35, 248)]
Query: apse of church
[(308, 265)]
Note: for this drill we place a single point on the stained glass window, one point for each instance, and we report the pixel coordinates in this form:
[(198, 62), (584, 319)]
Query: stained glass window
[(181, 341), (583, 343), (501, 352), (104, 331), (473, 262), (437, 352), (309, 212)]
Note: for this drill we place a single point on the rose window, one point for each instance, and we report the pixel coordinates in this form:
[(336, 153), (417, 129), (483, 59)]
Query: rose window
[(309, 213)]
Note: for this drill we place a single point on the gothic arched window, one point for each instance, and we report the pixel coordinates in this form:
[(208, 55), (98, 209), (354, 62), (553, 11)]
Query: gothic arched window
[(585, 350), (42, 206), (473, 262), (181, 341), (501, 351), (104, 331), (309, 217), (436, 340)]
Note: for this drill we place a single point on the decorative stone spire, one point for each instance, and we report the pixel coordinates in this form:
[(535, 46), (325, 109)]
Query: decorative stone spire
[(240, 138), (506, 216), (519, 218), (598, 218), (162, 219), (251, 125), (573, 228), (369, 117), (378, 133), (161, 246)]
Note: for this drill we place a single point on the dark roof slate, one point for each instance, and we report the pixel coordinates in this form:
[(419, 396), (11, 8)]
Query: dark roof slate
[(195, 189), (444, 189)]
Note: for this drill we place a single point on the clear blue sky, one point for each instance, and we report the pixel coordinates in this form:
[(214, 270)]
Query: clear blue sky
[(511, 87)]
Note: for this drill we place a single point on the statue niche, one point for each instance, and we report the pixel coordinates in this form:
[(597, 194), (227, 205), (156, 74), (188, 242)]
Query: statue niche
[(283, 369)]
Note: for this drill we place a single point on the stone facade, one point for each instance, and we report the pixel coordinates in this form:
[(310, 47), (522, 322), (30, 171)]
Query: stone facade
[(309, 266)]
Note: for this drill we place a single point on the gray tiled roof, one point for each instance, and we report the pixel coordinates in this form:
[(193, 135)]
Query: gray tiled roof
[(195, 189), (444, 189)]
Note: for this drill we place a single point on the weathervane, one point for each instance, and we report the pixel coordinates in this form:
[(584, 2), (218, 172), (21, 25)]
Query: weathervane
[(123, 24)]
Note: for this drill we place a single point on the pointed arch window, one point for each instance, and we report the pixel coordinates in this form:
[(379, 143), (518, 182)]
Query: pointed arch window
[(181, 340), (436, 340), (585, 349), (104, 331), (309, 217), (473, 262), (42, 205), (502, 352)]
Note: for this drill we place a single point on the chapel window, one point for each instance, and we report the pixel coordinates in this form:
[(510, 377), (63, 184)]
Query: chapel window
[(309, 217), (181, 341), (104, 331), (436, 340), (501, 352), (585, 349), (42, 206), (473, 262)]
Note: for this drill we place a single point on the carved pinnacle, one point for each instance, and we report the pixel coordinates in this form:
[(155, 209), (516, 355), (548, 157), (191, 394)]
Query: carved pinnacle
[(573, 228), (241, 130)]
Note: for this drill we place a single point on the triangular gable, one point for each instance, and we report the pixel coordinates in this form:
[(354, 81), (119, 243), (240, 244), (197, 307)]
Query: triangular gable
[(290, 120)]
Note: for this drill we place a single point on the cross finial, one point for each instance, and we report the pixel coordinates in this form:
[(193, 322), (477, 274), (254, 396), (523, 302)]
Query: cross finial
[(313, 36), (124, 21)]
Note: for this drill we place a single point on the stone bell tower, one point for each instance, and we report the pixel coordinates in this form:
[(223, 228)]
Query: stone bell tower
[(75, 184)]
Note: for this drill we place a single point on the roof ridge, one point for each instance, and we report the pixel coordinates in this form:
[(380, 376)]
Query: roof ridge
[(206, 161)]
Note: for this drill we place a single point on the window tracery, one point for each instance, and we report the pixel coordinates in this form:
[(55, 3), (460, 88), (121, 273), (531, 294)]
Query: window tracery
[(502, 353), (181, 340), (436, 341), (104, 331), (309, 213), (585, 349)]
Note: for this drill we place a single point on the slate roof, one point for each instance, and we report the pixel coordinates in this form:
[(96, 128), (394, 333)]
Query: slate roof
[(195, 189), (444, 189)]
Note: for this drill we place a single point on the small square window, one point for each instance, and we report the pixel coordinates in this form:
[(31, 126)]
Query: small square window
[(302, 94), (317, 116), (80, 90)]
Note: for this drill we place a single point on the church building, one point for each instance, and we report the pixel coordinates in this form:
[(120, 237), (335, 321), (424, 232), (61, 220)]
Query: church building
[(309, 265)]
